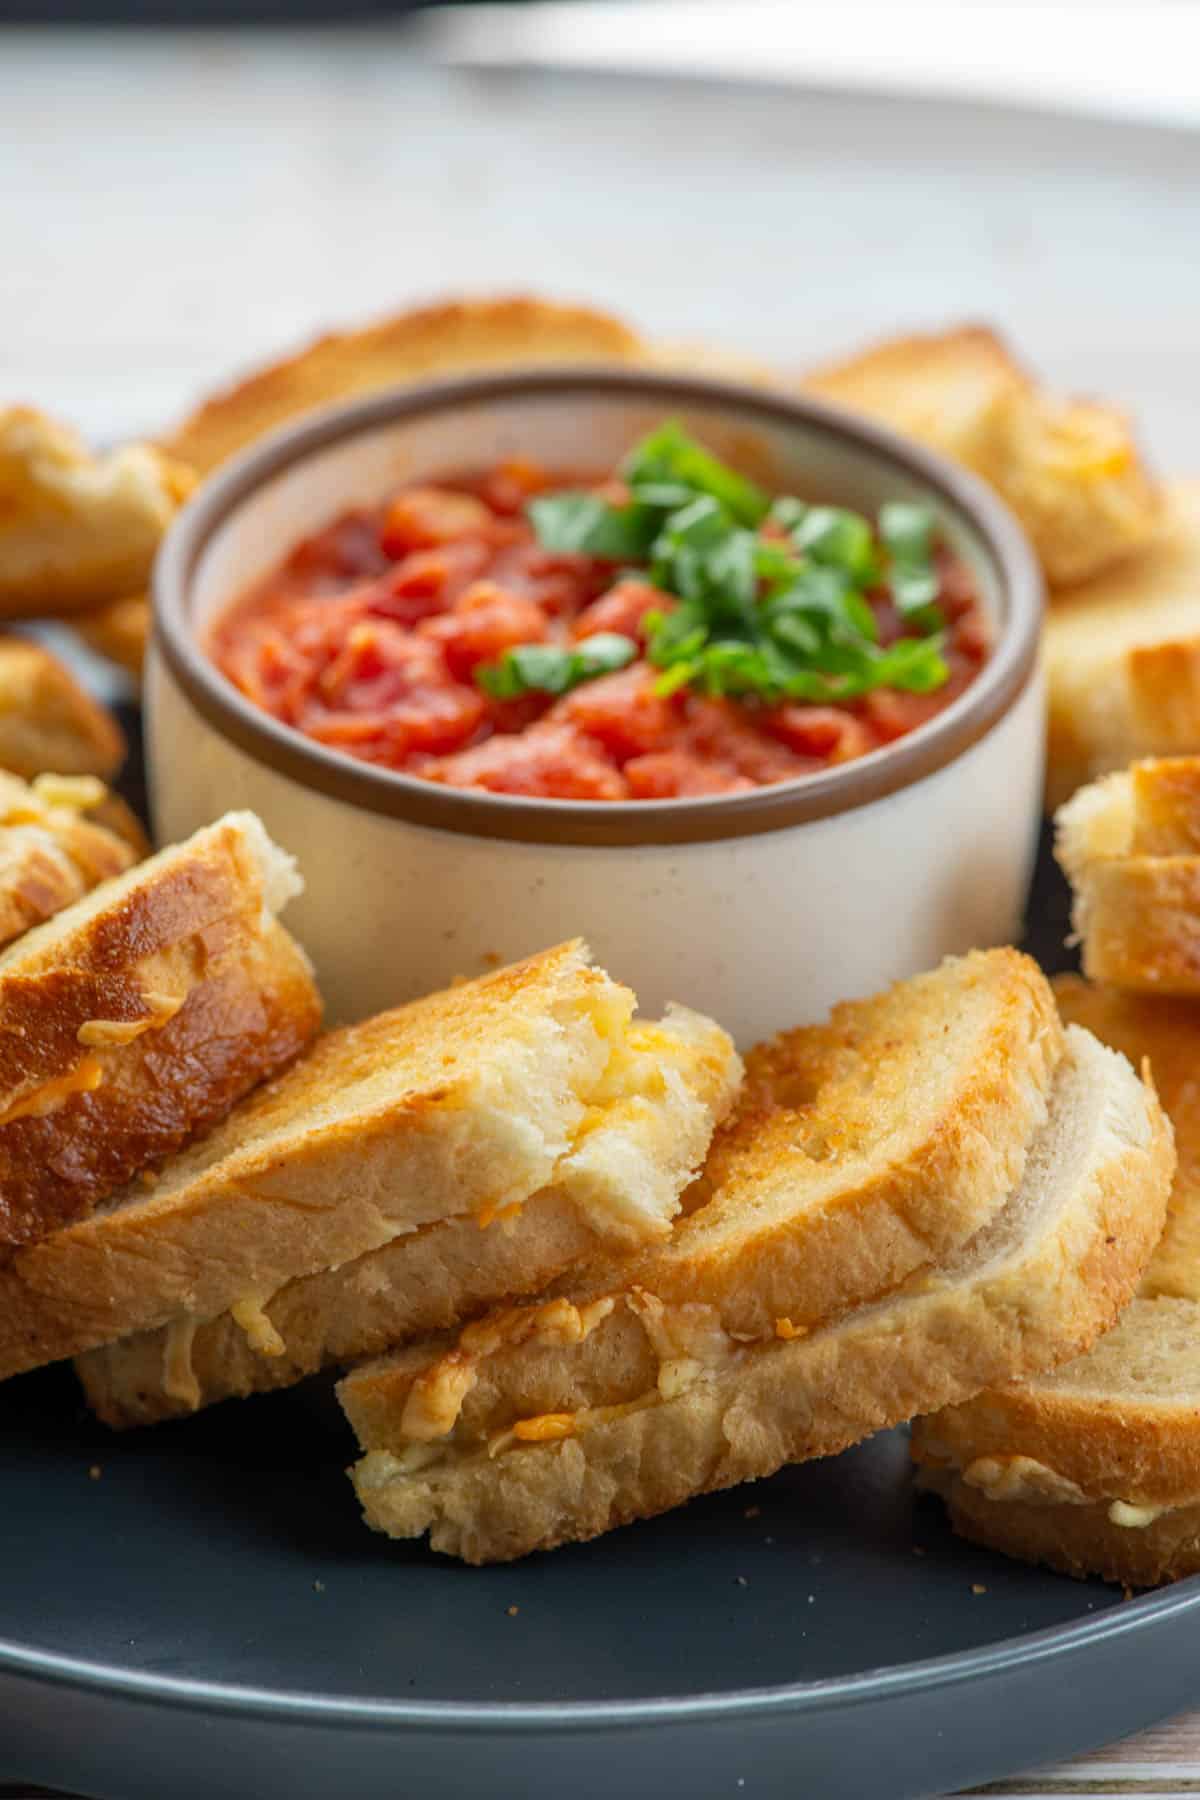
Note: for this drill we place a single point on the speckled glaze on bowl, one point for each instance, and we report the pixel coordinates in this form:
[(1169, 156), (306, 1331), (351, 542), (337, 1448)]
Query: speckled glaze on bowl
[(762, 908)]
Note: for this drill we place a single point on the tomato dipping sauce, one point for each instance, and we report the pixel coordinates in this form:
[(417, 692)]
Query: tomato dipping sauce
[(380, 636)]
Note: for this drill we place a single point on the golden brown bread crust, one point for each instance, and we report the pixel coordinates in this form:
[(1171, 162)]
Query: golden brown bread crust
[(1122, 656), (1038, 1288), (449, 338), (454, 1104), (953, 389), (825, 1107), (657, 1131), (1070, 469), (1126, 843), (1101, 1430), (1167, 1032), (117, 816), (120, 632), (48, 722), (51, 851), (1109, 1426), (1144, 929), (1074, 1540), (190, 954), (77, 531), (835, 1176)]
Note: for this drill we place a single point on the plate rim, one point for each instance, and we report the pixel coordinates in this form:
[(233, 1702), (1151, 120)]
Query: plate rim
[(891, 1681)]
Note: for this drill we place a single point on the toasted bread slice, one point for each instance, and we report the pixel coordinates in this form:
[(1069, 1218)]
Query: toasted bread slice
[(137, 1017), (119, 632), (954, 390), (458, 1106), (867, 1147), (1095, 1469), (901, 1150), (1128, 843), (445, 1272), (556, 1422), (51, 850), (77, 530), (1069, 469), (49, 723), (1122, 656), (448, 339), (1165, 1032)]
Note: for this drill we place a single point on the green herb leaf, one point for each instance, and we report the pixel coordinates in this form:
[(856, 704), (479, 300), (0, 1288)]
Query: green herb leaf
[(602, 654), (702, 524), (584, 524), (787, 512), (841, 539), (554, 668), (755, 617), (915, 664), (914, 589), (670, 455), (906, 530)]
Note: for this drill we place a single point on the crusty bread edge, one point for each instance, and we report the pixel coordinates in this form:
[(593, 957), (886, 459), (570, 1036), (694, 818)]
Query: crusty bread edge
[(810, 1397)]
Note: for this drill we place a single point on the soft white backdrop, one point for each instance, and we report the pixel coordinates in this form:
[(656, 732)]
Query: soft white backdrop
[(174, 206)]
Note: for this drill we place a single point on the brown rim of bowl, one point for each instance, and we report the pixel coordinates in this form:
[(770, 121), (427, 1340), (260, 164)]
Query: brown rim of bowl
[(926, 750)]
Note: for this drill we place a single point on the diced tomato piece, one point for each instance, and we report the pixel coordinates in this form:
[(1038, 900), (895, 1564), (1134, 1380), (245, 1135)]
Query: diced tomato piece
[(973, 634), (385, 671), (719, 731), (891, 713), (377, 655), (622, 712), (507, 488), (347, 550), (552, 761), (889, 625), (562, 584), (486, 621), (420, 518), (613, 492), (678, 774), (825, 733), (516, 715), (956, 591), (432, 723), (426, 582), (622, 610)]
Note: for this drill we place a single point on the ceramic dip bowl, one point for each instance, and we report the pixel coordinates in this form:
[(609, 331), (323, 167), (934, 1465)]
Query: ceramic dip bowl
[(761, 907)]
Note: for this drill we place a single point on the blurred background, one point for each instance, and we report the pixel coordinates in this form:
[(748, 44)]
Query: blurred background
[(185, 188)]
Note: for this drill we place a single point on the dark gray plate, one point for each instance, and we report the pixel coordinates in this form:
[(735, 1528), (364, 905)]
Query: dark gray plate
[(197, 1610)]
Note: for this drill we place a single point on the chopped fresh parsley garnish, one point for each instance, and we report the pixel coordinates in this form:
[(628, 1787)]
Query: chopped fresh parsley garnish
[(553, 668), (906, 532), (587, 526), (669, 457), (781, 616)]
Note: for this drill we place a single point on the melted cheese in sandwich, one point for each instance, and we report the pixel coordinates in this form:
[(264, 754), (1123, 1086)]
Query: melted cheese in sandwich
[(651, 1109), (111, 1034), (261, 1335), (179, 1377), (1023, 1479), (85, 1078), (688, 1340)]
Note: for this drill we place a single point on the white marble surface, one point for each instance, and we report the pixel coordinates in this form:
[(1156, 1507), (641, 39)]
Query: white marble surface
[(172, 207)]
